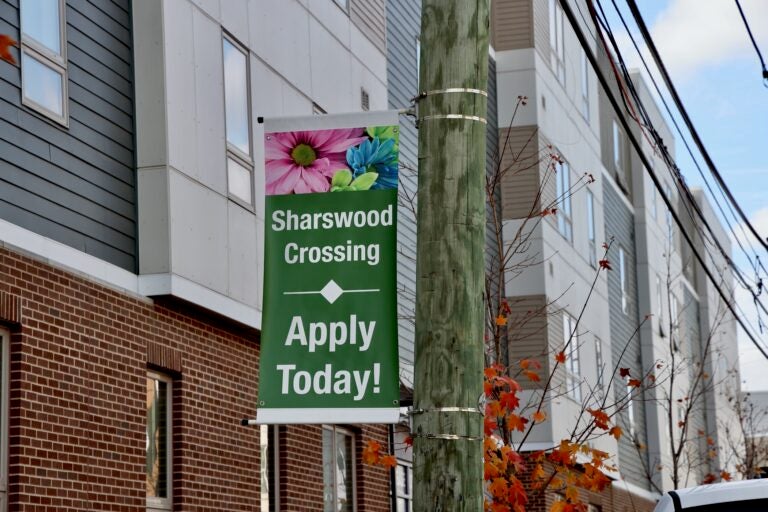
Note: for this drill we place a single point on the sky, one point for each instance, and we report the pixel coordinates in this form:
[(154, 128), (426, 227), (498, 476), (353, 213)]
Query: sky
[(717, 73)]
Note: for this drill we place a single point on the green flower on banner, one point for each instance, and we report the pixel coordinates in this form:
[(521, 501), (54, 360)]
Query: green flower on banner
[(342, 181), (384, 133)]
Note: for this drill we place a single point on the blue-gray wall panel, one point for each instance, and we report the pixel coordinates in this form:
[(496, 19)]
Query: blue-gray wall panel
[(619, 224), (75, 184)]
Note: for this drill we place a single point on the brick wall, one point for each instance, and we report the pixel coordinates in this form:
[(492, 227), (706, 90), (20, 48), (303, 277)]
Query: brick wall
[(79, 358)]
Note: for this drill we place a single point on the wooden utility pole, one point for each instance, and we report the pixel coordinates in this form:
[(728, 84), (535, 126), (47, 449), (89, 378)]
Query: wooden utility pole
[(447, 425)]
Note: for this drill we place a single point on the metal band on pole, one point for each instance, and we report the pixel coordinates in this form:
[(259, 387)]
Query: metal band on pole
[(454, 116)]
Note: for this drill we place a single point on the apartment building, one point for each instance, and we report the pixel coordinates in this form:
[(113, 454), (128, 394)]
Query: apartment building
[(131, 229), (653, 270)]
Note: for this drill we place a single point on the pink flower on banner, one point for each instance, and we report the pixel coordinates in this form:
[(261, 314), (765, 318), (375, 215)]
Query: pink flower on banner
[(304, 161)]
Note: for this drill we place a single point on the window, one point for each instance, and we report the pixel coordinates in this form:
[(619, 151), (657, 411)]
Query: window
[(618, 156), (338, 470), (4, 358), (365, 100), (404, 487), (584, 85), (670, 225), (572, 373), (556, 40), (44, 58), (624, 278), (599, 361), (675, 321), (659, 304), (564, 224), (159, 459), (591, 229), (418, 62), (238, 126), (630, 411), (268, 441)]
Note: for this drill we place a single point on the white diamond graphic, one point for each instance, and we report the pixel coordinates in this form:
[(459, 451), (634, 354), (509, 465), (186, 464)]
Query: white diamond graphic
[(331, 291)]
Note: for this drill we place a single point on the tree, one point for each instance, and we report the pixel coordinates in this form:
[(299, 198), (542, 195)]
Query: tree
[(682, 386), (747, 442)]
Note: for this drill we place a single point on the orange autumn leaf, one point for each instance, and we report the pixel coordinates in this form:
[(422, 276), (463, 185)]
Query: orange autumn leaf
[(501, 320), (710, 441), (515, 422), (601, 418), (525, 364), (681, 423), (539, 416), (558, 506), (408, 441), (5, 48), (709, 479), (498, 487), (615, 432), (371, 452), (510, 401), (635, 383), (571, 494), (724, 475), (624, 372), (560, 357), (490, 372), (389, 461), (605, 264), (532, 376), (538, 472)]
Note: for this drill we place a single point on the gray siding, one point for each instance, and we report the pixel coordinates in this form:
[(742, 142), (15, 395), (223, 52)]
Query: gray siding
[(619, 224), (75, 185), (512, 24), (370, 16), (403, 27)]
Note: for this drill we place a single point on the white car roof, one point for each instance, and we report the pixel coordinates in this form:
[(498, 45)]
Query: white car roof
[(713, 493)]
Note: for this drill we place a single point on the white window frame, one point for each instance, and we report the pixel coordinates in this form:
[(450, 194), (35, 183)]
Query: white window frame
[(624, 280), (418, 63), (334, 430), (235, 153), (155, 504), (630, 411), (669, 221), (269, 436), (564, 214), (33, 49), (591, 229), (5, 341), (342, 4), (619, 155), (557, 40), (599, 362), (408, 495), (584, 86), (660, 302), (674, 319), (572, 362)]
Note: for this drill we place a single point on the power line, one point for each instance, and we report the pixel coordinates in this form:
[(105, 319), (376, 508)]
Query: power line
[(603, 81), (684, 113), (669, 160), (754, 43)]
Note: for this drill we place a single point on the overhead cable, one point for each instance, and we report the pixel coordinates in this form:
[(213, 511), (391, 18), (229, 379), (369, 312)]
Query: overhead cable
[(617, 108)]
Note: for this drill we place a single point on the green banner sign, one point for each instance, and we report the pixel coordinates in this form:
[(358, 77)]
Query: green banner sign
[(329, 324)]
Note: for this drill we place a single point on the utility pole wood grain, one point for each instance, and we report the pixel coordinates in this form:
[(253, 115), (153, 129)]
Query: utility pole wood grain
[(447, 425)]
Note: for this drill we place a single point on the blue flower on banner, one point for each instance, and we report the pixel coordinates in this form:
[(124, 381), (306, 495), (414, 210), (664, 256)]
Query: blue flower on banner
[(375, 156)]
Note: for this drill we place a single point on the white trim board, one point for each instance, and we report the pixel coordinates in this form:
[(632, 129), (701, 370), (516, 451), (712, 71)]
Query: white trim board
[(331, 415), (183, 288), (56, 254)]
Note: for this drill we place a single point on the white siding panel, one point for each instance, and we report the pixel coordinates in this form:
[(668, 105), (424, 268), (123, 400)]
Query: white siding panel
[(180, 85), (284, 46), (331, 71), (243, 255), (209, 99), (198, 233)]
